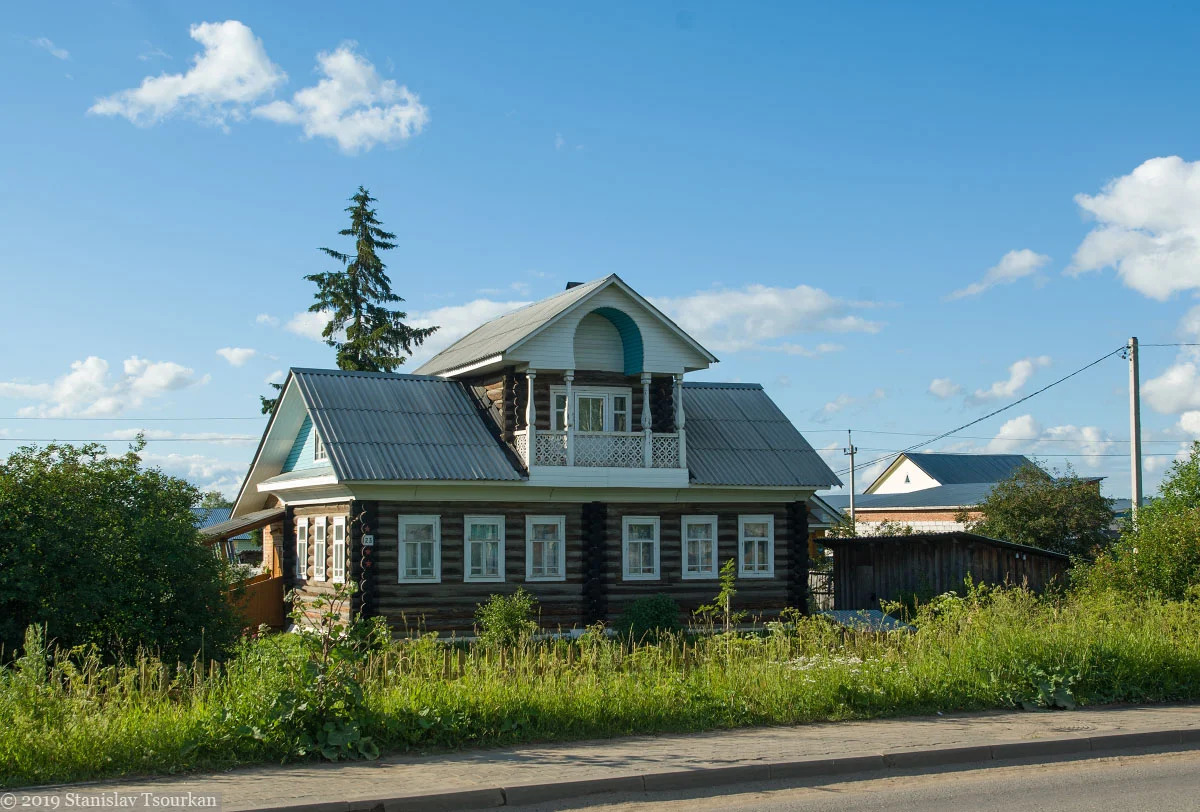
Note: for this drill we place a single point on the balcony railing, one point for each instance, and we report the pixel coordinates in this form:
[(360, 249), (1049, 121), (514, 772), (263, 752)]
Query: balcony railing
[(599, 449)]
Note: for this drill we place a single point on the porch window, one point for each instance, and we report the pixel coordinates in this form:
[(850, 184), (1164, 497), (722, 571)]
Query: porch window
[(302, 550), (339, 549), (318, 447), (319, 550), (597, 408), (699, 534), (756, 546), (545, 548), (639, 547), (484, 548), (420, 548)]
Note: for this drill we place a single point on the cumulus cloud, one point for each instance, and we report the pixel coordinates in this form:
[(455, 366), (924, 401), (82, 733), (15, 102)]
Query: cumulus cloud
[(1012, 266), (308, 324), (351, 105), (89, 390), (1174, 391), (838, 404), (206, 473), (49, 47), (237, 356), (230, 74), (1147, 228), (267, 319), (1025, 435), (758, 317), (1019, 374), (278, 376), (456, 321), (218, 438), (944, 388)]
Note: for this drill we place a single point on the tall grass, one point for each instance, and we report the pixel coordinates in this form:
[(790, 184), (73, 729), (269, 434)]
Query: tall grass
[(69, 717)]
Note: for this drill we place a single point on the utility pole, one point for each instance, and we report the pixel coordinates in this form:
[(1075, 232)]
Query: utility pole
[(851, 450), (1135, 427)]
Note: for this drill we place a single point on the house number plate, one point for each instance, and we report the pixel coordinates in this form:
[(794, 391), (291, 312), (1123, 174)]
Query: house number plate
[(368, 540)]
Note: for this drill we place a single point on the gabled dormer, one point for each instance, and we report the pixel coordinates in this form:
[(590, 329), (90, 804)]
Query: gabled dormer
[(605, 369)]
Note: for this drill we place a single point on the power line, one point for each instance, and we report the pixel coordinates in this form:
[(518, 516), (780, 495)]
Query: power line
[(1013, 439), (245, 438), (133, 419)]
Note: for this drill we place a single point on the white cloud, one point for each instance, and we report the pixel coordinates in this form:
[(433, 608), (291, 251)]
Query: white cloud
[(237, 356), (1025, 435), (1176, 390), (1147, 228), (559, 141), (1015, 435), (944, 388), (788, 348), (308, 324), (231, 73), (1012, 266), (218, 438), (153, 52), (267, 319), (206, 473), (838, 404), (351, 104), (1019, 374), (89, 390), (49, 47), (753, 317), (278, 376), (1190, 422), (456, 321)]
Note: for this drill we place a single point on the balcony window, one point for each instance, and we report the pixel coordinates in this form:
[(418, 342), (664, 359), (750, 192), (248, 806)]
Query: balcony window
[(597, 408)]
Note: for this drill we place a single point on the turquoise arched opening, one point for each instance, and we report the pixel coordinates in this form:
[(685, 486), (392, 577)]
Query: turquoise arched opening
[(631, 337)]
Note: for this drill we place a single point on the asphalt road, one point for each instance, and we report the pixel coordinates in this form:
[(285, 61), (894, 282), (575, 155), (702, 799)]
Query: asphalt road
[(1162, 782)]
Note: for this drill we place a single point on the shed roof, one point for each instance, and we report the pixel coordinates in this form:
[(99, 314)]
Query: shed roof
[(250, 521), (961, 536), (736, 435), (207, 517), (386, 426)]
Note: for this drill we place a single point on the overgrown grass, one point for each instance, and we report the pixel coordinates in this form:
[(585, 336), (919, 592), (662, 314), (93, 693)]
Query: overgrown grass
[(68, 717)]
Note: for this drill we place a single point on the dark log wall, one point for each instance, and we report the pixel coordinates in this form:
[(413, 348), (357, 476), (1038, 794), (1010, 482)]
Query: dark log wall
[(866, 572), (311, 588)]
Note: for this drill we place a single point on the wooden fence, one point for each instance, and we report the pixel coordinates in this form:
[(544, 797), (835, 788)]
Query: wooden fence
[(259, 600)]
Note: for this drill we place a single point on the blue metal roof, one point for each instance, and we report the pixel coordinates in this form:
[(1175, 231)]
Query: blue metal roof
[(962, 495), (736, 435), (207, 517), (958, 469), (386, 426)]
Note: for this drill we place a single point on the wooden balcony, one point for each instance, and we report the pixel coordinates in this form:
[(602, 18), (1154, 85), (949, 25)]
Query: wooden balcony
[(600, 449)]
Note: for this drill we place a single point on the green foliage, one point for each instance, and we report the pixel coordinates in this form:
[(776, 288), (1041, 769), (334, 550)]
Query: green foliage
[(649, 618), (99, 550), (506, 620), (721, 609), (214, 499), (268, 404), (366, 334), (1160, 555), (1062, 513)]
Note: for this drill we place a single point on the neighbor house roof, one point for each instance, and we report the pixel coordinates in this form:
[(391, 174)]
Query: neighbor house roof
[(384, 426), (957, 469), (967, 494), (736, 435), (207, 517)]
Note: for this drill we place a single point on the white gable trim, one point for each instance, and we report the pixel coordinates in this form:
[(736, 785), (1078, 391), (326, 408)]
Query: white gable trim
[(273, 448)]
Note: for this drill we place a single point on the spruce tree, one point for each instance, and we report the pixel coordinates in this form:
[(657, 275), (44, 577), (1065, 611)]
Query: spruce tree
[(367, 335)]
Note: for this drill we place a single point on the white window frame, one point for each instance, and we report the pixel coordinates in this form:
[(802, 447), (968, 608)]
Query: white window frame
[(756, 518), (561, 521), (626, 521), (468, 521), (606, 392), (402, 523), (319, 452), (320, 548), (696, 575), (339, 550), (302, 549)]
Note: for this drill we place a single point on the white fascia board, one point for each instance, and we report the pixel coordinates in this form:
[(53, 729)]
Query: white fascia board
[(273, 448), (472, 367), (296, 484), (423, 490)]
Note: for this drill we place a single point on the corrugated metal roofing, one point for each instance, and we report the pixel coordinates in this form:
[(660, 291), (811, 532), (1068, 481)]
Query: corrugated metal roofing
[(248, 522), (207, 517), (385, 426), (502, 332), (957, 469), (736, 435), (960, 535), (961, 495)]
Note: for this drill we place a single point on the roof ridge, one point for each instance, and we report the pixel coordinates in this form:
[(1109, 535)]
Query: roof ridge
[(406, 376), (720, 385)]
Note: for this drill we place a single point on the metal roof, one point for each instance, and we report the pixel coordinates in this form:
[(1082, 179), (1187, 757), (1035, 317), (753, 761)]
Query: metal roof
[(250, 521), (385, 426), (956, 535), (497, 335), (207, 517), (941, 496), (957, 469), (736, 435)]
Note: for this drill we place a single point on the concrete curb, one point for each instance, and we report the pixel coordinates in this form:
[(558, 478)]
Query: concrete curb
[(701, 777)]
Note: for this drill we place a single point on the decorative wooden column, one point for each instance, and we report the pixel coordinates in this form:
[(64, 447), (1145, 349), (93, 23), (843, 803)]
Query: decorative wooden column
[(568, 416), (530, 419), (647, 441), (680, 420)]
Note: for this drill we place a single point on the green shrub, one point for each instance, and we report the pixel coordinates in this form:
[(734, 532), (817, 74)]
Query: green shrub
[(506, 620), (648, 618)]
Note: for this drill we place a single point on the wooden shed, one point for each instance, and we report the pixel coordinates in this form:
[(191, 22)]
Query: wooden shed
[(870, 569)]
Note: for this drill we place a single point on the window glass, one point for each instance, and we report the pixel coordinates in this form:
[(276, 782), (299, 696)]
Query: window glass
[(756, 545), (560, 408), (640, 547), (620, 413), (545, 547), (699, 546), (590, 413), (419, 549), (485, 538)]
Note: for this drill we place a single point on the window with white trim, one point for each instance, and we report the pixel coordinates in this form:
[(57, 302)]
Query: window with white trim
[(756, 546), (699, 539), (420, 548), (339, 549), (319, 550), (545, 548), (319, 454), (483, 548), (302, 549), (597, 408), (639, 547)]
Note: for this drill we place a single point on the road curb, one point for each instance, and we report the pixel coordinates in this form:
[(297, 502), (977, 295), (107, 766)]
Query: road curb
[(702, 777)]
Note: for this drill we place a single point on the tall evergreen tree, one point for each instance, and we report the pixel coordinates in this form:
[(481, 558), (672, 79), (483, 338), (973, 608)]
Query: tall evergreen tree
[(367, 335)]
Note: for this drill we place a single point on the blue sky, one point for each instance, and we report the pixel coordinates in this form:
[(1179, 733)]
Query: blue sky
[(804, 188)]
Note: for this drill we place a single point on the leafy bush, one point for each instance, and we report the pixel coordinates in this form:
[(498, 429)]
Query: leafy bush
[(648, 618), (98, 550), (506, 620)]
